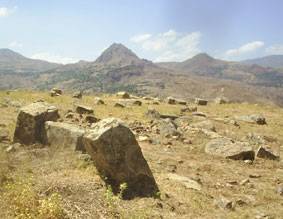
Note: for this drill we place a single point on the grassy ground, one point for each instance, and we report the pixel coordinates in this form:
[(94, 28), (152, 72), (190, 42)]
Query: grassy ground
[(38, 182)]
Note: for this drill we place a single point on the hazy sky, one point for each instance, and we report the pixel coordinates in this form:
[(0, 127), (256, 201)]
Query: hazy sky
[(160, 30)]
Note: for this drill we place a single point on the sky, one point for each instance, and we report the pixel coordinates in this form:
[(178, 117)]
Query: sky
[(67, 31)]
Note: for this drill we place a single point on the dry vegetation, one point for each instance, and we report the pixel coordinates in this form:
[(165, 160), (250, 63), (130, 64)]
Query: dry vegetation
[(40, 182)]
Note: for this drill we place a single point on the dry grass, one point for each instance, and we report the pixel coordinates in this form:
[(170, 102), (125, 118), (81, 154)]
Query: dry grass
[(43, 183)]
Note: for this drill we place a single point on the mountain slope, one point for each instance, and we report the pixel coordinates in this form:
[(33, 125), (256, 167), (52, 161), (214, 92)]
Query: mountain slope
[(12, 62), (273, 61)]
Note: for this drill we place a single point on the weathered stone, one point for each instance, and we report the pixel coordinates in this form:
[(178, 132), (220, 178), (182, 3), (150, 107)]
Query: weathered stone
[(64, 135), (201, 102), (183, 121), (171, 100), (81, 109), (181, 102), (207, 124), (267, 152), (30, 122), (258, 119), (90, 119), (152, 113), (224, 203), (119, 105), (189, 109), (221, 100), (167, 128), (123, 94), (118, 157), (199, 114), (187, 182), (131, 102), (227, 148), (78, 94), (98, 101), (55, 92)]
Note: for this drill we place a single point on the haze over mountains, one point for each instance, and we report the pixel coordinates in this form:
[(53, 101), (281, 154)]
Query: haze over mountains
[(118, 68)]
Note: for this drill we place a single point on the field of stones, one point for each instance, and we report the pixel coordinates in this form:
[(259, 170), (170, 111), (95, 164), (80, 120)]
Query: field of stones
[(123, 156)]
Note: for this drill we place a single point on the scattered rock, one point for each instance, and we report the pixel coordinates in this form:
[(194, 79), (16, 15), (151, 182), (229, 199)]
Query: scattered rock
[(81, 109), (227, 148), (90, 119), (183, 121), (181, 102), (98, 101), (78, 94), (119, 105), (30, 122), (171, 100), (123, 94), (201, 102), (118, 157), (221, 100), (131, 102), (187, 182), (267, 152), (207, 124), (258, 119), (64, 135), (199, 114), (189, 109), (152, 114), (167, 128), (224, 203), (56, 92)]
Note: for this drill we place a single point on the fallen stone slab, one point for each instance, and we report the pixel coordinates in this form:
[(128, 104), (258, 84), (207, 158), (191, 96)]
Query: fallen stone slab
[(30, 122), (64, 135), (119, 159), (186, 181), (227, 148), (201, 102)]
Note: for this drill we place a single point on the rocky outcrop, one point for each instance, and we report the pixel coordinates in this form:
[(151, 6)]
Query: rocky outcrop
[(64, 135), (118, 158), (227, 148), (30, 122)]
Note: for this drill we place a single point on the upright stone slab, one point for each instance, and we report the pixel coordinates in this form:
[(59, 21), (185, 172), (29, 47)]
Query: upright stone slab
[(64, 135), (30, 122), (118, 157)]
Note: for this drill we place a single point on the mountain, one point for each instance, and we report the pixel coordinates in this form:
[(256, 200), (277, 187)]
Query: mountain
[(273, 61), (117, 55), (12, 62)]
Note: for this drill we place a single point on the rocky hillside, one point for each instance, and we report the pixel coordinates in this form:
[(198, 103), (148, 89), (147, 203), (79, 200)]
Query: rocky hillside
[(273, 61), (118, 68), (63, 157)]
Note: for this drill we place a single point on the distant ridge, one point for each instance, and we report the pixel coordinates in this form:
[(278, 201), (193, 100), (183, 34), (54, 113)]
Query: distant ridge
[(273, 61)]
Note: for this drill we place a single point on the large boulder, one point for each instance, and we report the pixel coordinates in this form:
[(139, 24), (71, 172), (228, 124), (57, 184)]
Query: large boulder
[(227, 148), (118, 158), (200, 101), (171, 100), (30, 122), (64, 135)]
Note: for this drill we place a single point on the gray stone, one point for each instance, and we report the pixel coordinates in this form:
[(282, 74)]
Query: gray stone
[(267, 152), (257, 119), (224, 203), (98, 101), (207, 124), (118, 158), (30, 122), (81, 109), (186, 181), (201, 102), (64, 135), (221, 100), (130, 102), (78, 94), (227, 148)]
